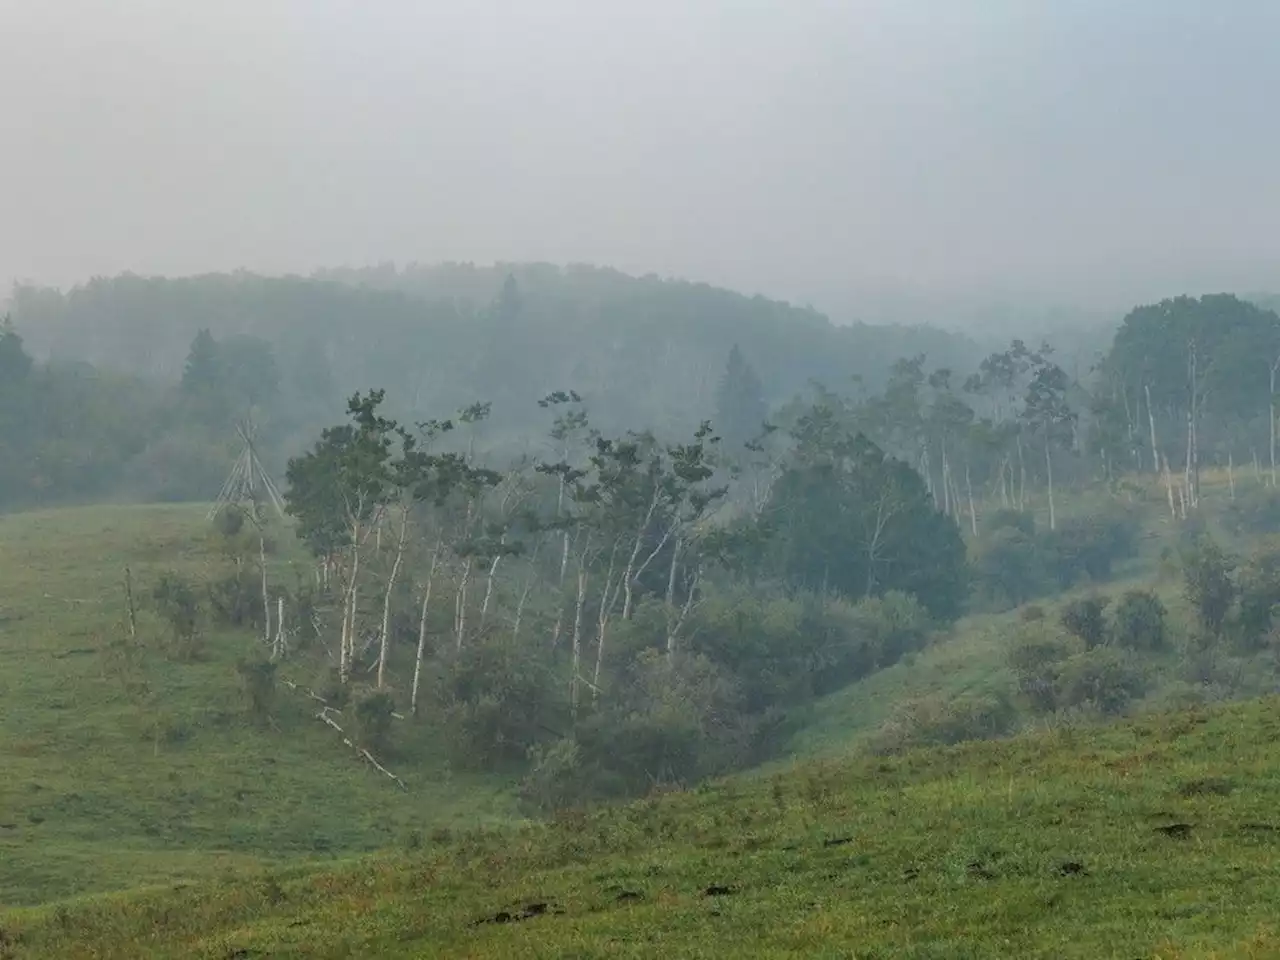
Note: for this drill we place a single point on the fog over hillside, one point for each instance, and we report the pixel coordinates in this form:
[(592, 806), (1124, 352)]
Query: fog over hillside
[(879, 159)]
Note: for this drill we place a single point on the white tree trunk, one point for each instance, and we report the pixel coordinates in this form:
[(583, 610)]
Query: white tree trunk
[(266, 599), (973, 514), (1022, 476), (384, 639), (577, 638), (1048, 469), (1151, 420), (608, 596), (422, 626), (460, 603), (1272, 405), (346, 644), (488, 587), (277, 650)]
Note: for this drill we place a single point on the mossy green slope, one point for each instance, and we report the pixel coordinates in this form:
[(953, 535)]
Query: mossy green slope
[(1158, 837), (102, 789)]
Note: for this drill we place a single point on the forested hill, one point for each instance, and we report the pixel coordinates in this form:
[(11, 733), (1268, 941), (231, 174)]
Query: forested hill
[(642, 351)]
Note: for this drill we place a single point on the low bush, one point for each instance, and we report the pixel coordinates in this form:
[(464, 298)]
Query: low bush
[(1138, 621), (937, 721), (1085, 618), (1106, 679), (1035, 656)]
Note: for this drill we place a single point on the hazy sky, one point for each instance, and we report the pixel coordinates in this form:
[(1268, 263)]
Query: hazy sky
[(797, 147)]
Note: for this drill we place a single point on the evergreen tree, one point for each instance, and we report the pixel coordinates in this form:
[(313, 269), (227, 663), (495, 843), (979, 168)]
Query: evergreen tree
[(15, 363), (740, 407), (203, 371)]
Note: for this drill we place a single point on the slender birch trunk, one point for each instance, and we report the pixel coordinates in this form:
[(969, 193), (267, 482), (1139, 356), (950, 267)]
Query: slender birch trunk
[(973, 514), (1151, 420), (422, 626), (1272, 405), (608, 596), (384, 641), (1048, 469), (266, 598), (460, 602), (1022, 475), (577, 637)]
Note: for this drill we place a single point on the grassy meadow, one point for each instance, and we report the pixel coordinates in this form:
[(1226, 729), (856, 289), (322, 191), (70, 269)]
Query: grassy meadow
[(120, 771), (1156, 837), (142, 815)]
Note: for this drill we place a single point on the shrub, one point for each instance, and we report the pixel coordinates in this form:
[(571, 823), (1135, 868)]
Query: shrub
[(555, 778), (1086, 618), (258, 678), (1008, 568), (1034, 657), (1088, 547), (772, 644), (176, 600), (1103, 678), (229, 521), (497, 702), (935, 721), (1258, 585), (373, 722), (236, 599), (1006, 518), (1138, 621), (1255, 510), (671, 721), (1208, 584)]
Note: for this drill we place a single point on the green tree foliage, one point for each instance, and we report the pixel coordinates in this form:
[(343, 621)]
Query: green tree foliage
[(177, 601), (1103, 678), (849, 519), (740, 407), (1035, 658), (1258, 584), (373, 722), (258, 678), (1085, 617), (645, 351), (15, 363), (1139, 621), (339, 485), (1235, 344), (1208, 583), (203, 372)]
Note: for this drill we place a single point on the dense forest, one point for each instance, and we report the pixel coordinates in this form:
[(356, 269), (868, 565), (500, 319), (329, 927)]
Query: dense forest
[(613, 532), (642, 352)]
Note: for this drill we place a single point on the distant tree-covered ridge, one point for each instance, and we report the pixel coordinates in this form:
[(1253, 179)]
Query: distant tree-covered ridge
[(640, 350)]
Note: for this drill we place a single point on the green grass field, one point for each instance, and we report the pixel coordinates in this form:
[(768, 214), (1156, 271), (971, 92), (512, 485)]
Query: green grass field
[(165, 824), (1152, 838), (103, 791)]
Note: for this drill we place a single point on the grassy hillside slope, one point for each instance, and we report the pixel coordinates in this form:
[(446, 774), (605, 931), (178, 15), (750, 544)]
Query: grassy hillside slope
[(115, 776), (1155, 837)]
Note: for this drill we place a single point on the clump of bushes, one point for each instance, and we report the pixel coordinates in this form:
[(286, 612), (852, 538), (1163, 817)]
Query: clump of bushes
[(1013, 562), (258, 678), (1138, 621), (1086, 619), (1103, 678), (938, 721), (1054, 670), (373, 722), (1034, 657), (1254, 510), (177, 601)]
